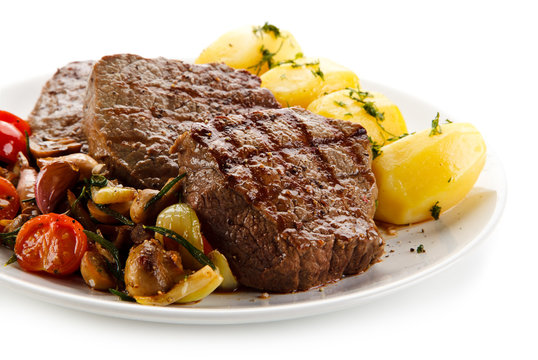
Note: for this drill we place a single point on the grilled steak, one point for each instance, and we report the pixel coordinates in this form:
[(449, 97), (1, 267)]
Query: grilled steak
[(58, 111), (286, 195), (136, 107)]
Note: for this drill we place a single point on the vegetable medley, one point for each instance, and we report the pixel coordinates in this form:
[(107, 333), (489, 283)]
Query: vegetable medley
[(62, 214)]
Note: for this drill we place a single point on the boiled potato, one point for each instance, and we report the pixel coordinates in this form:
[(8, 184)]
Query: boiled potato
[(303, 80), (422, 173), (182, 219), (253, 48), (349, 105)]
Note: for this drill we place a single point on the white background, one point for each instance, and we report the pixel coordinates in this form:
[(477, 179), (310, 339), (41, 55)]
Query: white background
[(476, 60)]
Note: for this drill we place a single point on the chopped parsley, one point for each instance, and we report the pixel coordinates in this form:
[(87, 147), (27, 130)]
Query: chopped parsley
[(340, 103), (294, 64), (370, 107), (318, 73), (267, 28), (267, 58), (394, 138), (435, 210), (376, 148), (372, 110), (420, 249), (348, 114), (436, 127)]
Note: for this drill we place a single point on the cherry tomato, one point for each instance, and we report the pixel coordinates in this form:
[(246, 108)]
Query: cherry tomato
[(11, 142), (9, 199), (51, 243), (19, 123)]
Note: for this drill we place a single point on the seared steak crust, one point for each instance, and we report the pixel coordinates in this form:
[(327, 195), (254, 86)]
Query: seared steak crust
[(286, 195), (58, 111), (136, 107)]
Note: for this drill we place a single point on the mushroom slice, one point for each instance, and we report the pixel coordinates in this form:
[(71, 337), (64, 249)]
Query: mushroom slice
[(94, 270), (151, 270), (54, 147)]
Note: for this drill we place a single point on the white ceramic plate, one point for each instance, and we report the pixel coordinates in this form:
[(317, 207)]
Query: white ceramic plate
[(445, 242)]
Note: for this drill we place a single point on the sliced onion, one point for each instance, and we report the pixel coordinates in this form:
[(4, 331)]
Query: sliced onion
[(52, 184)]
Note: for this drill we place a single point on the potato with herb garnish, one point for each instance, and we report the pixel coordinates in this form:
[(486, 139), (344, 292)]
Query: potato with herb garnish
[(426, 173), (254, 48), (380, 117), (300, 81)]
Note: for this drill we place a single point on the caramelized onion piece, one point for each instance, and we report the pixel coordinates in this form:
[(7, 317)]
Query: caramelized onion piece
[(83, 162), (52, 184), (26, 186)]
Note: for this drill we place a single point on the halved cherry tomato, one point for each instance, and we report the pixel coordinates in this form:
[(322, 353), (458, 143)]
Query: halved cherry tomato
[(51, 243), (19, 123), (11, 142), (9, 199)]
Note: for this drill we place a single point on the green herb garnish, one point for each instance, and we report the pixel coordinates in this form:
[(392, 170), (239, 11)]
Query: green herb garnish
[(436, 127), (197, 254), (376, 148), (116, 270), (163, 191), (10, 234), (116, 215), (340, 103), (318, 73), (420, 249), (267, 28), (123, 296), (435, 210), (371, 109), (294, 64), (98, 181), (399, 137), (267, 57), (11, 260), (8, 239), (83, 193)]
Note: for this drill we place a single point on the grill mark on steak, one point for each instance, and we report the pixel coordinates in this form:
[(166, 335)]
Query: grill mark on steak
[(282, 194), (136, 107)]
